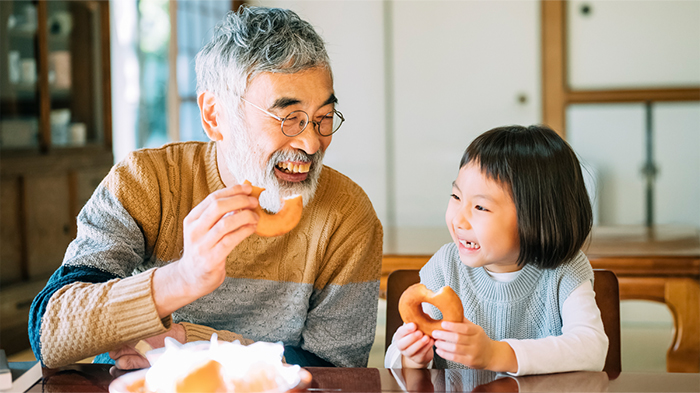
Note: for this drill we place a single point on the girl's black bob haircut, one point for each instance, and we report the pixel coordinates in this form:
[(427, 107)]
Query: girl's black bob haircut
[(546, 183)]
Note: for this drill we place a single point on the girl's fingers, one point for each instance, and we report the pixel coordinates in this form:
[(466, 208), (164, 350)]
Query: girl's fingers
[(408, 340), (463, 327), (450, 346), (448, 336), (417, 347)]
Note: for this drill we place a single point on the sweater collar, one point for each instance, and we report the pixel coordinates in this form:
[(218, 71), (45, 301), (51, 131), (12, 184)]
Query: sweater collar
[(211, 167), (487, 288)]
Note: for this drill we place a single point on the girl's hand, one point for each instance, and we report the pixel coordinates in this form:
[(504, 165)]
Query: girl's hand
[(468, 344), (416, 348)]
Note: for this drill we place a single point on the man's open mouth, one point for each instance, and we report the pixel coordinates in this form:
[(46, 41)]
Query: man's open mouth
[(293, 167)]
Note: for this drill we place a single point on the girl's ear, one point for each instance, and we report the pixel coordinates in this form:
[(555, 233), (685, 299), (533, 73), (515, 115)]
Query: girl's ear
[(208, 108)]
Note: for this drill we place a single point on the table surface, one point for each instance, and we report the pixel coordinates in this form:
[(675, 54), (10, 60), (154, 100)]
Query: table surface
[(97, 377)]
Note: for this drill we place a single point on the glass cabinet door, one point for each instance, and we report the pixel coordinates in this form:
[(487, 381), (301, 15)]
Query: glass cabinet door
[(19, 98), (52, 93), (74, 76)]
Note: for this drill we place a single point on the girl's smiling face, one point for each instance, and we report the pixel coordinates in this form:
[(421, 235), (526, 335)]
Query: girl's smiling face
[(483, 222)]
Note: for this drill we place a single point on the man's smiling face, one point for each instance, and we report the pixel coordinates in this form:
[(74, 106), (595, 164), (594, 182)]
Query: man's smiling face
[(258, 150)]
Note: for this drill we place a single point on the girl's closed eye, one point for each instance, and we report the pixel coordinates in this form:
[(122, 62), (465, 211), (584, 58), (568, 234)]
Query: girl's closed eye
[(481, 208), (454, 196)]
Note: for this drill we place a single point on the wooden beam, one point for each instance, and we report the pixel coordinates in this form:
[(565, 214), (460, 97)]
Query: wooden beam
[(173, 95), (634, 95), (554, 91), (106, 67), (44, 95)]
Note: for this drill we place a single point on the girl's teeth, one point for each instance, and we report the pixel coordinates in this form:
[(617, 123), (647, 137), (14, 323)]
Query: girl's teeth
[(469, 244)]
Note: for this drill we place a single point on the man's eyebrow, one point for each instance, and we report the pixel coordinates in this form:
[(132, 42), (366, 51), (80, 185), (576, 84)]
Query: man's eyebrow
[(331, 100), (284, 102)]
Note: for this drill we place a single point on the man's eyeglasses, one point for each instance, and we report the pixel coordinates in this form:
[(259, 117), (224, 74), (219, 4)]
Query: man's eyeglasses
[(295, 123)]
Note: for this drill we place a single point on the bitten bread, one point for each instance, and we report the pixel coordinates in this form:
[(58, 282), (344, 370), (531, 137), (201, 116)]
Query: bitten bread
[(285, 220)]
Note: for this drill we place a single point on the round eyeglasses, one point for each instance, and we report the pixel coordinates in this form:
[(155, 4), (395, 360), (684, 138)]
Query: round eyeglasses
[(295, 123)]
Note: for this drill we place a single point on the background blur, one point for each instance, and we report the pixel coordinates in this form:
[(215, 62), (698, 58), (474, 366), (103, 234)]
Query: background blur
[(418, 80)]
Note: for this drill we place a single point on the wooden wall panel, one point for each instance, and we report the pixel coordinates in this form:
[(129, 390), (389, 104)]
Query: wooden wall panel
[(10, 231), (49, 223)]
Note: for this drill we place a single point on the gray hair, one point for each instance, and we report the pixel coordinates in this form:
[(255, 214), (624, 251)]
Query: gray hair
[(252, 41)]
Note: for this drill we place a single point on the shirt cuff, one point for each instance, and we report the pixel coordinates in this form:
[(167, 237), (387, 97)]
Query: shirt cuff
[(520, 356), (133, 309), (195, 332)]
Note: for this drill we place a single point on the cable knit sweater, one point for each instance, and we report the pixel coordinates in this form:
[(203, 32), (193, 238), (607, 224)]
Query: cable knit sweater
[(315, 287)]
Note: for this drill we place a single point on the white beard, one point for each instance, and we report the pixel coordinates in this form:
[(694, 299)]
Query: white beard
[(246, 163)]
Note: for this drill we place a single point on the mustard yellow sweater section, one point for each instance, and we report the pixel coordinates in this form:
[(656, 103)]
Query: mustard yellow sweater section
[(101, 296)]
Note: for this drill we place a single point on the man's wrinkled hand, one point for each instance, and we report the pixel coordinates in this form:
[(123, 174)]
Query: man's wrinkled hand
[(211, 231)]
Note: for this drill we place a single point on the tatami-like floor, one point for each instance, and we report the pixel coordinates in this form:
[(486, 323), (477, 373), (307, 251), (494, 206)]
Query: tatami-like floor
[(647, 331)]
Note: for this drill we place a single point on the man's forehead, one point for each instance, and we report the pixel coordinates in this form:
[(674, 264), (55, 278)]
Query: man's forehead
[(281, 90)]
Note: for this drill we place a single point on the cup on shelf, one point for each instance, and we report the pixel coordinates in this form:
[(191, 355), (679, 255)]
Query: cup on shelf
[(60, 64), (60, 23), (30, 19), (60, 120), (78, 134), (13, 67), (28, 71)]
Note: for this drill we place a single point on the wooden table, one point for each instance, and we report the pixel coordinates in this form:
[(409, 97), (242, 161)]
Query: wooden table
[(97, 377), (660, 264)]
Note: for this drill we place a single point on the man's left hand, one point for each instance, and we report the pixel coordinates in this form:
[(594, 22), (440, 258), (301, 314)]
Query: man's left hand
[(126, 357)]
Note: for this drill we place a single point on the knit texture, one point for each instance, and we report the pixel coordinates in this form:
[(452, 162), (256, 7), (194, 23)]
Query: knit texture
[(315, 287), (529, 307)]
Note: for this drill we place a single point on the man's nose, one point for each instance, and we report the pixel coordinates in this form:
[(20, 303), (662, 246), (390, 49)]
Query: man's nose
[(309, 140)]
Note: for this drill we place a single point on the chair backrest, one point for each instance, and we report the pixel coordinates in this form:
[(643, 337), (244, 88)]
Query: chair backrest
[(607, 298)]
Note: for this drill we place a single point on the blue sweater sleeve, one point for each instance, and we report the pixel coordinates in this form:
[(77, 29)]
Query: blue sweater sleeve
[(63, 276)]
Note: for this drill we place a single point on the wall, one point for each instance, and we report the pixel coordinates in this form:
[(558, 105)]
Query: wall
[(418, 81), (443, 72)]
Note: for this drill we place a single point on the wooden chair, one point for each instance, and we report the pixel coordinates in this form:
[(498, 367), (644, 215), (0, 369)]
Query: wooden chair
[(607, 297)]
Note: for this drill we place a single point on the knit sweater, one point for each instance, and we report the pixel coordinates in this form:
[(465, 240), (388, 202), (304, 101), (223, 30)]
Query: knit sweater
[(315, 287), (529, 307)]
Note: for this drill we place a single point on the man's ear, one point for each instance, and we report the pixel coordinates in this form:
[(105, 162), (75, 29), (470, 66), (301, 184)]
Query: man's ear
[(209, 110)]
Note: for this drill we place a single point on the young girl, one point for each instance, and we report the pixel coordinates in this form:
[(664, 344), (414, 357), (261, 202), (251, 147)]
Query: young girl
[(518, 216)]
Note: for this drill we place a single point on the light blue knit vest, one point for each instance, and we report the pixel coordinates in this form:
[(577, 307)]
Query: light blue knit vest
[(528, 307)]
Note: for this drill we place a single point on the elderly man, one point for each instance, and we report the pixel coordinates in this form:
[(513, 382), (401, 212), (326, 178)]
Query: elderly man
[(166, 245)]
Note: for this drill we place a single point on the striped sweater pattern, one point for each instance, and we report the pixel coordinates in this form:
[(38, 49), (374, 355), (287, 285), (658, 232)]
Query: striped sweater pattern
[(315, 287)]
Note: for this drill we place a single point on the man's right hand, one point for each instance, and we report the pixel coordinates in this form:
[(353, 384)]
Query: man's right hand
[(211, 231)]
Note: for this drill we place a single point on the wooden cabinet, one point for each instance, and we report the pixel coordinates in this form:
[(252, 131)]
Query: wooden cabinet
[(55, 141)]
